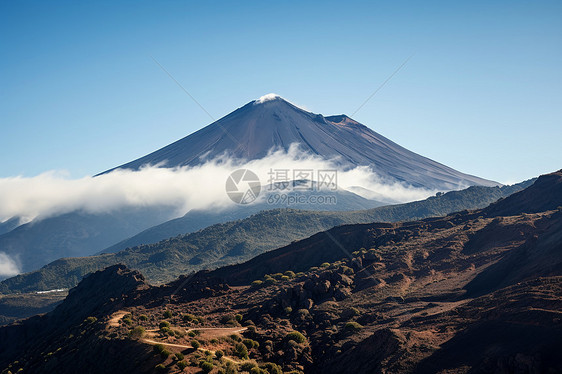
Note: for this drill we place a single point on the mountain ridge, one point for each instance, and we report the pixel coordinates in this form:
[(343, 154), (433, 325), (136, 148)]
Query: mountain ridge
[(253, 130)]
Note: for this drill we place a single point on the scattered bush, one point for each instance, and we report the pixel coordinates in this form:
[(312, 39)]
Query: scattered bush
[(249, 343), (325, 265), (214, 341), (188, 317), (288, 310), (192, 333), (353, 326), (257, 283), (195, 344), (267, 280), (143, 317), (247, 366), (91, 320), (219, 354), (231, 368), (238, 317), (137, 333), (165, 354), (164, 324), (273, 368), (181, 365), (296, 337), (290, 274), (285, 278), (160, 368), (180, 356), (158, 348), (206, 366), (167, 314), (241, 351)]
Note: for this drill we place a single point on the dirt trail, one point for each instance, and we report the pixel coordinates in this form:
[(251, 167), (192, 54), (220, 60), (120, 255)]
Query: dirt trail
[(214, 332), (116, 317)]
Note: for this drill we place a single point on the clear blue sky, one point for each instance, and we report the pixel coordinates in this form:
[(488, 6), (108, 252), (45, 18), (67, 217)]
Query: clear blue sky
[(80, 92)]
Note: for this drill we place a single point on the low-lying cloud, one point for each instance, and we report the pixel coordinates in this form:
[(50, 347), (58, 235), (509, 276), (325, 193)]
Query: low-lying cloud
[(8, 267), (182, 188)]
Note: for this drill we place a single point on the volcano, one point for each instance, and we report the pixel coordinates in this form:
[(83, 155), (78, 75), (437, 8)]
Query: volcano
[(273, 123)]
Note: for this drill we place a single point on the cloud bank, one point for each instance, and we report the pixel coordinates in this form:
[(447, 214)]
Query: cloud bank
[(181, 188), (8, 267)]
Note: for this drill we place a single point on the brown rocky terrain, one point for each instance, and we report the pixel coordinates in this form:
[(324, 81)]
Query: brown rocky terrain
[(472, 292)]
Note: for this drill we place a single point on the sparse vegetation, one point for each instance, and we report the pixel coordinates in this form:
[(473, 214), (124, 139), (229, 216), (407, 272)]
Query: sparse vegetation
[(241, 350), (296, 337), (352, 326), (195, 344), (137, 333), (206, 366), (181, 365)]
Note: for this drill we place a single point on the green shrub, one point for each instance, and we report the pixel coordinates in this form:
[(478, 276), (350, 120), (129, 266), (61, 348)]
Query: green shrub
[(206, 366), (290, 274), (231, 368), (158, 348), (353, 326), (181, 365), (247, 366), (91, 320), (288, 310), (143, 317), (257, 283), (164, 324), (137, 333), (285, 278), (296, 337), (273, 368), (128, 321), (167, 314), (160, 368), (165, 354), (249, 343), (180, 356), (195, 344), (325, 265), (188, 317), (214, 341), (238, 317), (219, 354), (241, 350), (192, 333)]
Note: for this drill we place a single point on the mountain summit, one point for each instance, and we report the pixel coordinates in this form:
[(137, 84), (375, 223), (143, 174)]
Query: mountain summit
[(272, 122)]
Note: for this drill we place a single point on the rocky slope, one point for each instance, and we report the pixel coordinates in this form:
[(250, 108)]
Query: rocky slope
[(472, 292)]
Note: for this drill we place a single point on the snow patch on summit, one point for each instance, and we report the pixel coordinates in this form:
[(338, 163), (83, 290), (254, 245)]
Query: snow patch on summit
[(268, 97)]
